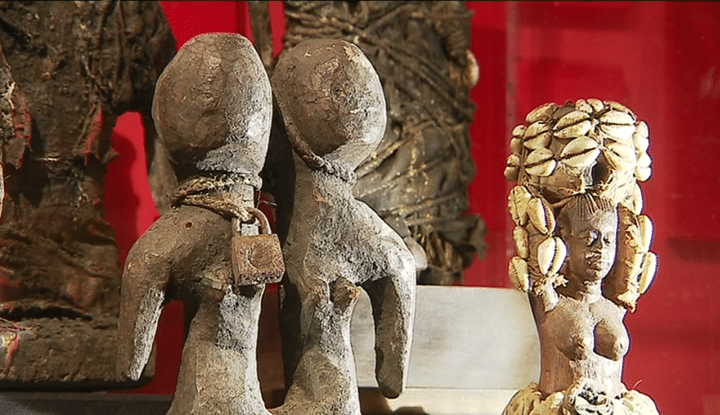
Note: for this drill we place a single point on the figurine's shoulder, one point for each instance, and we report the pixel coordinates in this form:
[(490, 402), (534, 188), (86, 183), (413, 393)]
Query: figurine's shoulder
[(389, 246), (185, 226)]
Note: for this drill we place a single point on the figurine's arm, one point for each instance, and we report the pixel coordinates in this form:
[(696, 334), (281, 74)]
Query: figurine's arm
[(393, 305), (144, 284)]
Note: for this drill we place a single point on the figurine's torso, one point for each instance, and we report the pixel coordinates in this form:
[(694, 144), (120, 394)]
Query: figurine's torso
[(585, 340), (328, 225)]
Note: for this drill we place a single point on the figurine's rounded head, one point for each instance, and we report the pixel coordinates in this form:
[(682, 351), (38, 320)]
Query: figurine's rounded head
[(329, 92), (213, 106)]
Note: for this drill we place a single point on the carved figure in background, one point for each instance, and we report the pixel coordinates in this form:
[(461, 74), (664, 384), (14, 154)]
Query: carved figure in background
[(68, 70), (213, 110), (334, 110), (417, 178), (583, 251)]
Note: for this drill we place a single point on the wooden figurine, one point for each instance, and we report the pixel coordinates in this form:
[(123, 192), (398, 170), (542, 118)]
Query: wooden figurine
[(213, 110), (583, 251), (333, 107)]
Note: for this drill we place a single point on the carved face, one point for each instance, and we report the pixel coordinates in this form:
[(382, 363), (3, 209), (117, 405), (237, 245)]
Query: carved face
[(592, 244)]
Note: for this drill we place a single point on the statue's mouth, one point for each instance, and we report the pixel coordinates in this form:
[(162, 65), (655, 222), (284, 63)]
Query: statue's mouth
[(595, 261)]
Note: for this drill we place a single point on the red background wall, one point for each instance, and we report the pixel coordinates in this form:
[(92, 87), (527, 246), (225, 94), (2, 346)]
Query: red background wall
[(660, 59)]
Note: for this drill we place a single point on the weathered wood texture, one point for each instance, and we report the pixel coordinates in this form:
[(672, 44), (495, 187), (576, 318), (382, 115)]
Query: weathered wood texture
[(333, 108), (213, 110)]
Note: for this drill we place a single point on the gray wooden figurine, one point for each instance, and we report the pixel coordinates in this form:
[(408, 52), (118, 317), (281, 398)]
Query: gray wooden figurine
[(334, 109), (213, 111)]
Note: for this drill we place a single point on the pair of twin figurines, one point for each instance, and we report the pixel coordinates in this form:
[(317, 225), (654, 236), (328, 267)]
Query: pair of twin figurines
[(213, 109)]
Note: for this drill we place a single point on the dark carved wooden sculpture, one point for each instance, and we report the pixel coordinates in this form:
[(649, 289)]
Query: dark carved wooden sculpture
[(417, 178), (583, 251), (67, 71), (213, 110), (333, 106)]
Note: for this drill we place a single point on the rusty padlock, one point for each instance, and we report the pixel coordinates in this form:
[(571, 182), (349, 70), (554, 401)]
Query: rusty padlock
[(256, 259)]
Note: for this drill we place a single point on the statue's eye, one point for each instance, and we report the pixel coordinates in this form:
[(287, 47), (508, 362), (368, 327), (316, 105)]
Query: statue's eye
[(609, 238), (591, 237)]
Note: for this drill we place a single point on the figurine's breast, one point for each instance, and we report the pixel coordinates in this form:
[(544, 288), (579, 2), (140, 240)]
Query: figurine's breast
[(611, 337), (570, 325), (580, 329)]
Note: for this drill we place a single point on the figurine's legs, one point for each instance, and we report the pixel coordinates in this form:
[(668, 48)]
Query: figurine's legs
[(324, 382), (393, 305), (218, 374)]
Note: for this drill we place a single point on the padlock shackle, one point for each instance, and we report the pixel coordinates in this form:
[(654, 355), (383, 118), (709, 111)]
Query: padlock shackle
[(263, 222)]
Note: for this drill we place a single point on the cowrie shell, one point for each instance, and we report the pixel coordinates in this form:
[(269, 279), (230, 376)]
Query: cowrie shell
[(516, 145), (649, 269), (539, 141), (520, 236), (618, 132), (576, 130), (518, 273), (536, 129), (641, 143), (540, 113), (613, 105), (644, 160), (596, 104), (519, 131), (643, 173), (540, 162), (512, 167), (646, 231), (541, 215), (562, 111), (620, 155), (551, 255), (617, 117), (472, 71), (511, 173), (618, 107), (518, 203), (580, 152), (584, 106), (643, 130), (571, 118)]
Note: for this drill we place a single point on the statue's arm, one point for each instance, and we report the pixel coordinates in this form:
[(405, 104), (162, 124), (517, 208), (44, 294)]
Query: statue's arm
[(393, 304), (144, 284)]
